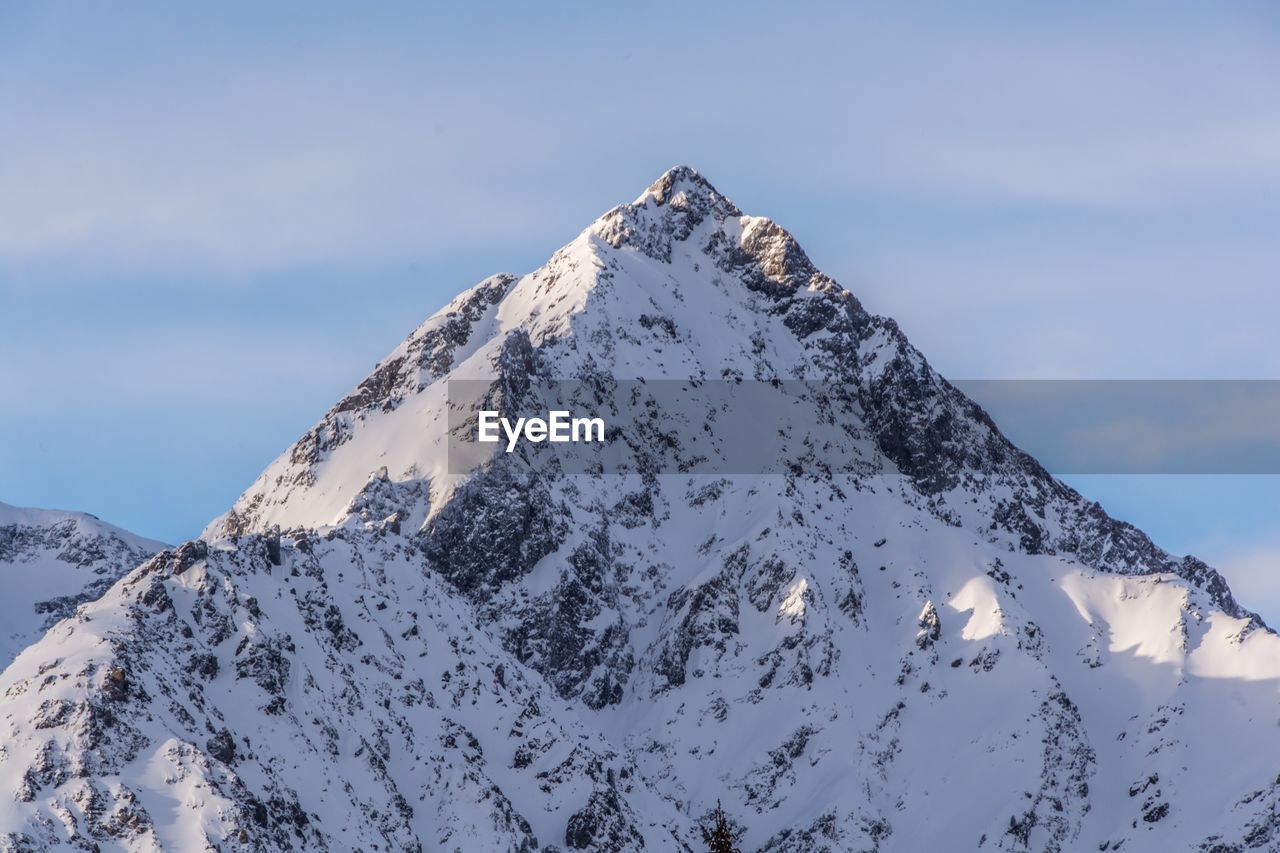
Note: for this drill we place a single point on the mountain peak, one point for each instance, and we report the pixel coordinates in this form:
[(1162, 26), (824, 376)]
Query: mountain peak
[(684, 186), (910, 618)]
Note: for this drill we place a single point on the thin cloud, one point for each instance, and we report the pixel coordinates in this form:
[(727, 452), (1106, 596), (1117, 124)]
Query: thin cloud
[(405, 150)]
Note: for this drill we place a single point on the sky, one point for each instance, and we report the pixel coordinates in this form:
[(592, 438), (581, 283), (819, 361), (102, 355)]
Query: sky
[(215, 218)]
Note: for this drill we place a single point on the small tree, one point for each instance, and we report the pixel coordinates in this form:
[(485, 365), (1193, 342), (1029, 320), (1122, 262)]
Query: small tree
[(721, 836)]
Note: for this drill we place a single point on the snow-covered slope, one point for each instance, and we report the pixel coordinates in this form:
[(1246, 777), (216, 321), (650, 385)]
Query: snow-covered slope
[(930, 645), (52, 560)]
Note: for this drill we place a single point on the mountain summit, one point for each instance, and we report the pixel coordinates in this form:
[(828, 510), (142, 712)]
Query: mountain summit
[(929, 644)]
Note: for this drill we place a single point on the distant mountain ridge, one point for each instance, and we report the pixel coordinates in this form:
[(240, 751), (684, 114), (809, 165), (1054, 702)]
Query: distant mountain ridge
[(934, 645), (53, 560)]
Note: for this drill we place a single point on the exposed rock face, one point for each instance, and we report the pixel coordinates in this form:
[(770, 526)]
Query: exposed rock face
[(932, 644)]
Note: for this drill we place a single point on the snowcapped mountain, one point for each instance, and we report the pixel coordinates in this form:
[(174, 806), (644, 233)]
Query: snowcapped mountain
[(931, 645), (51, 561)]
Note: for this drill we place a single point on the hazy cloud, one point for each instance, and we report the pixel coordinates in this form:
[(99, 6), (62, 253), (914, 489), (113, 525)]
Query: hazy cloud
[(325, 146)]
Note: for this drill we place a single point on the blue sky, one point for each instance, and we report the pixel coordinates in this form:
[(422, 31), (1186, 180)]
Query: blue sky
[(214, 219)]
